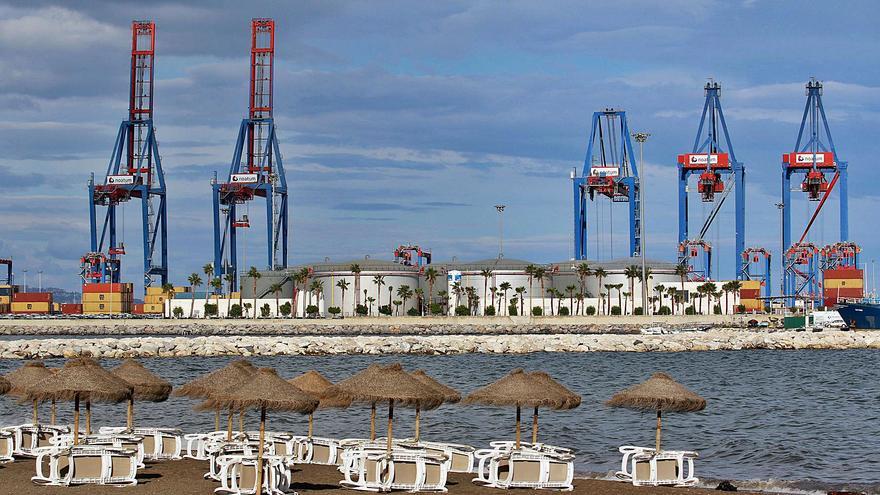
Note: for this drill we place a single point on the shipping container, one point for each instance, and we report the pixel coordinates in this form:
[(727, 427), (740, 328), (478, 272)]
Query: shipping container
[(182, 290), (154, 291), (849, 283), (749, 293), (108, 287), (151, 299), (32, 297), (93, 297), (5, 299), (31, 307), (8, 290), (843, 273), (137, 309), (750, 284), (5, 308), (154, 308), (106, 308), (71, 309)]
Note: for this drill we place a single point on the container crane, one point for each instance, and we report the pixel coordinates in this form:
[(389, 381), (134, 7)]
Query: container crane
[(711, 158), (135, 170), (814, 156), (256, 169), (756, 266), (609, 170)]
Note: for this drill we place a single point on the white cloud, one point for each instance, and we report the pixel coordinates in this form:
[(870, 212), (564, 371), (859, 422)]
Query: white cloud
[(56, 28)]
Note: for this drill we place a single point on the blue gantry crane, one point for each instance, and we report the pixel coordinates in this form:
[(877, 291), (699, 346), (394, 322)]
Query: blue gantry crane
[(256, 169), (756, 266), (609, 170), (135, 170), (814, 155), (711, 158)]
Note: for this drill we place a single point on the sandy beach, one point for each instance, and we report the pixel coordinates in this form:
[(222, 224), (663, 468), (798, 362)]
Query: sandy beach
[(185, 478)]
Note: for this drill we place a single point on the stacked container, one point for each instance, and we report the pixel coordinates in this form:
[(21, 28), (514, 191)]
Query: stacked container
[(107, 298), (843, 283), (6, 293), (154, 301), (749, 293), (32, 303), (71, 309)]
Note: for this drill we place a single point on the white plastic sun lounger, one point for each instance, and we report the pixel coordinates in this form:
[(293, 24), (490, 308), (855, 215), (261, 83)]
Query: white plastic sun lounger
[(118, 441), (645, 467), (237, 475), (85, 464), (375, 469), (159, 443), (318, 450), (7, 446), (526, 468), (28, 437)]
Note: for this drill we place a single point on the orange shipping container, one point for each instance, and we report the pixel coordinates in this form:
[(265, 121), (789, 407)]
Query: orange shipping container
[(31, 307), (32, 297), (116, 287), (843, 273), (843, 283)]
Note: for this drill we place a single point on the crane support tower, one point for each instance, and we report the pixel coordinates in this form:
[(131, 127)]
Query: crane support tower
[(756, 266), (801, 269), (840, 255), (814, 156), (135, 169), (609, 170), (711, 158), (697, 257), (8, 280), (98, 268), (256, 169)]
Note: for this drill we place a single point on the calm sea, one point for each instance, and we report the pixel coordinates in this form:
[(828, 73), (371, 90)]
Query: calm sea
[(783, 420)]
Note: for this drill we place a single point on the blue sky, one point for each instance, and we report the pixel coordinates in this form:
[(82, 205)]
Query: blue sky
[(406, 121)]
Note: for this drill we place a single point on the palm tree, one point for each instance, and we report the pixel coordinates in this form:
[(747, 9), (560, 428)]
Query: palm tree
[(530, 271), (540, 274), (600, 274), (355, 270), (619, 304), (168, 290), (520, 293), (217, 284), (444, 300), (431, 275), (609, 288), (583, 271), (570, 290), (457, 291), (316, 288), (255, 275), (486, 273), (602, 301), (660, 289), (552, 292), (276, 289), (505, 286), (644, 282), (306, 275), (420, 300), (379, 281), (230, 279), (390, 290), (297, 280), (672, 292), (631, 272), (208, 270), (404, 293), (626, 296), (194, 281), (710, 291), (343, 286), (735, 286), (370, 300), (682, 272)]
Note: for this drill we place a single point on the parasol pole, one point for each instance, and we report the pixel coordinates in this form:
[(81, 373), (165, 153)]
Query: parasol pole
[(390, 422), (372, 421), (36, 421), (260, 449), (311, 421), (229, 426), (517, 425), (88, 416), (217, 420), (535, 426), (418, 421), (76, 419), (130, 415), (53, 411), (658, 432), (241, 421)]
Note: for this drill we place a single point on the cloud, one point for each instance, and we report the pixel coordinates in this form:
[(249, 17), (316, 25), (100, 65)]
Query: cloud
[(56, 28)]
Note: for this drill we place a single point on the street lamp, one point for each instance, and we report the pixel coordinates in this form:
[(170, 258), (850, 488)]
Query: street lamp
[(40, 278), (500, 209), (781, 208), (25, 280), (640, 138)]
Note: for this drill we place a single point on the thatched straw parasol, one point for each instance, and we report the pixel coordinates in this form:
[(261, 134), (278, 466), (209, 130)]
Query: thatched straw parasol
[(317, 385), (23, 378), (80, 379), (5, 386), (386, 383), (216, 381), (145, 386), (572, 400), (519, 389), (659, 393), (265, 390), (449, 394)]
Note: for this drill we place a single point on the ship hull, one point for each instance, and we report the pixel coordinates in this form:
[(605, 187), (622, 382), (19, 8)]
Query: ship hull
[(860, 316)]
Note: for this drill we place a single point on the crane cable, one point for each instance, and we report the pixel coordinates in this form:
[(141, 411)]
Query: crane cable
[(819, 206)]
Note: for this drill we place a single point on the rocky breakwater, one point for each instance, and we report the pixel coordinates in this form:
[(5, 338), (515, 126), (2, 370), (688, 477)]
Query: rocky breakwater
[(167, 347)]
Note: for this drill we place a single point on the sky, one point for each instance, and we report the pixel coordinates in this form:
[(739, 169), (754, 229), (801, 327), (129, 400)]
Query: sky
[(405, 122)]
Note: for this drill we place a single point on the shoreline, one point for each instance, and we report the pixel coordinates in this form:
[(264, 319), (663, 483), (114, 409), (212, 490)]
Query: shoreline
[(511, 343)]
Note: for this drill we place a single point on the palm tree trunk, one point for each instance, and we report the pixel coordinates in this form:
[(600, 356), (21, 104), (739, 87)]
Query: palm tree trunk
[(192, 305)]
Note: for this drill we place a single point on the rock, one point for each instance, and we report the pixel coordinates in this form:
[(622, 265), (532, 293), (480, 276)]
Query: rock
[(726, 486)]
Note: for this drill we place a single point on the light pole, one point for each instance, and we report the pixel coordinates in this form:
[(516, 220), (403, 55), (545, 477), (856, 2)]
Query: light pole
[(500, 209), (640, 138), (25, 280), (40, 280), (781, 208)]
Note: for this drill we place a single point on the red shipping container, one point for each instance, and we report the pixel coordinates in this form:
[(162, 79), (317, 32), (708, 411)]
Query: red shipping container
[(106, 288), (137, 309), (847, 273), (32, 297), (71, 309), (845, 292), (749, 293)]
